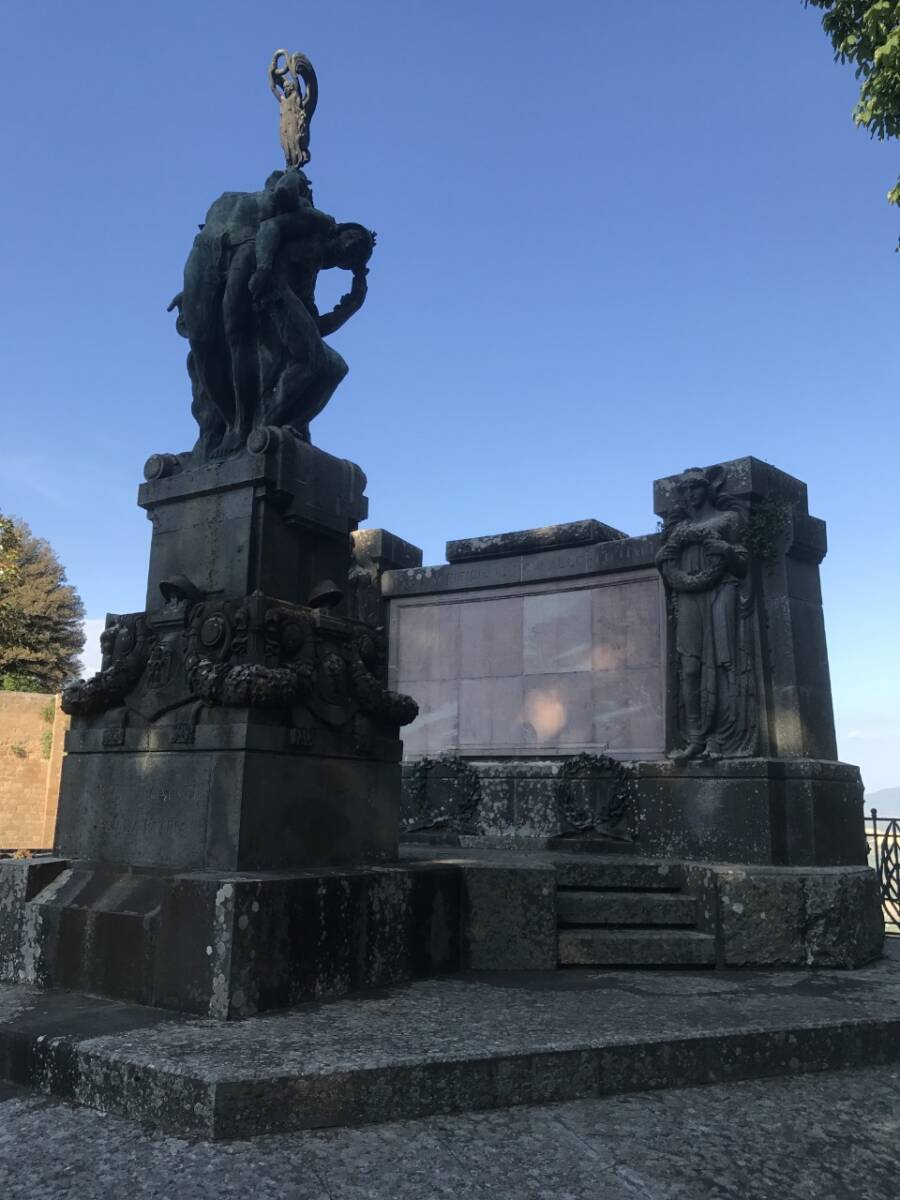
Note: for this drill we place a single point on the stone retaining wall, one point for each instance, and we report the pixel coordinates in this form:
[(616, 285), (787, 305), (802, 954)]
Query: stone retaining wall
[(32, 732)]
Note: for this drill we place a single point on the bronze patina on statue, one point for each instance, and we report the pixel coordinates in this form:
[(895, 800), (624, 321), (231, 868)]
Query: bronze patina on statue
[(258, 356), (297, 107)]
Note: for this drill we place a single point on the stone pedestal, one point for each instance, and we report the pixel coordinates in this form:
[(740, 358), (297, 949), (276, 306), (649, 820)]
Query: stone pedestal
[(276, 519), (240, 724)]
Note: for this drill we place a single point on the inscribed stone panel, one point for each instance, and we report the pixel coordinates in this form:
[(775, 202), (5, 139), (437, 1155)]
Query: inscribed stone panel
[(428, 642), (628, 709), (436, 728), (558, 709), (557, 632), (609, 630), (490, 712), (643, 623), (490, 637)]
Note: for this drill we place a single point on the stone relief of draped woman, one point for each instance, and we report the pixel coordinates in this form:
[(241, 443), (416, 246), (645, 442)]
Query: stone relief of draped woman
[(704, 559)]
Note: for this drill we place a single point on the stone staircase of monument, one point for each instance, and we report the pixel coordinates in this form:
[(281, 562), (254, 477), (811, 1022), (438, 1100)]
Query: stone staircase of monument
[(627, 914)]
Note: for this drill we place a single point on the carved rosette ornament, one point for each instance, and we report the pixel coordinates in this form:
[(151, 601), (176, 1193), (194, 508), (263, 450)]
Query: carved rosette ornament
[(704, 562)]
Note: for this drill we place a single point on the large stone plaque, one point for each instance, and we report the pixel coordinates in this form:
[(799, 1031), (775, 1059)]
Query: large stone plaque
[(536, 669)]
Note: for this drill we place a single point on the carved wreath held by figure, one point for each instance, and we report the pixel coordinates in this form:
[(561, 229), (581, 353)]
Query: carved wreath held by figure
[(704, 561), (297, 107)]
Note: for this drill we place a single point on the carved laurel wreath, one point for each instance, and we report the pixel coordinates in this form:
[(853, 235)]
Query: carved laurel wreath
[(460, 814), (584, 768), (679, 580)]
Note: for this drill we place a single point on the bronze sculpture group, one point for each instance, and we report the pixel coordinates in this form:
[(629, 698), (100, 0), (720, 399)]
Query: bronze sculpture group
[(258, 356)]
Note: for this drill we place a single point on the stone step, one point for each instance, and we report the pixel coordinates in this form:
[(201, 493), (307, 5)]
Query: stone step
[(636, 948), (618, 876), (625, 908)]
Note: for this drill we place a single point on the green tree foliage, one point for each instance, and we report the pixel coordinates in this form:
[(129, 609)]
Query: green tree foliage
[(41, 632), (868, 35)]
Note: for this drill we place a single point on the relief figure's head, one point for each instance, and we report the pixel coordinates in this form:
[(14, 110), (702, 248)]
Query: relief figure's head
[(694, 487)]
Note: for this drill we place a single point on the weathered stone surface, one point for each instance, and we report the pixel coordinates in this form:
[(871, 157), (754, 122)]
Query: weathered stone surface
[(445, 1045), (636, 948), (626, 554), (843, 920), (761, 917), (793, 1135), (527, 541), (228, 810), (792, 693), (227, 946), (705, 560), (625, 908), (374, 552), (276, 520), (20, 881), (618, 875), (783, 916), (510, 918), (782, 811)]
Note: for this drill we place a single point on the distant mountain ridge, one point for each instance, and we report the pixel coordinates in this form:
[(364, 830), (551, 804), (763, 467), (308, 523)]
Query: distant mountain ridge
[(886, 800)]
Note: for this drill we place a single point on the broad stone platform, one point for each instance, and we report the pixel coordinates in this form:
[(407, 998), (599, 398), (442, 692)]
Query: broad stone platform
[(231, 946), (440, 1046)]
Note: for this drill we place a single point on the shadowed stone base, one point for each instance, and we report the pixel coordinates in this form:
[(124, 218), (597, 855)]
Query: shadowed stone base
[(231, 945), (228, 810), (225, 946)]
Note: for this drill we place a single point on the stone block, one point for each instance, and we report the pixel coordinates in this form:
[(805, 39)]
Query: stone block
[(784, 812), (229, 947), (385, 549), (435, 919), (228, 809), (761, 915), (625, 908), (245, 523), (527, 541), (510, 918), (790, 916), (636, 948), (536, 809), (20, 881), (844, 923)]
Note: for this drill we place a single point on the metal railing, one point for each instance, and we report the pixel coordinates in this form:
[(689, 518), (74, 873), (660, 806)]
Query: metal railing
[(884, 855)]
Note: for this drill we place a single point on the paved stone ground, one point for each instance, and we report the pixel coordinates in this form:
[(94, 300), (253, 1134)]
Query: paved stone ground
[(820, 1137)]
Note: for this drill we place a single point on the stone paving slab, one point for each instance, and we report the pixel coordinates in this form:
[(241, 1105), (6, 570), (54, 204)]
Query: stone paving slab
[(478, 1041), (830, 1136)]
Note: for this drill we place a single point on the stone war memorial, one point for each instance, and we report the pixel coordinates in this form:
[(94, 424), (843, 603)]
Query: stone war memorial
[(619, 753)]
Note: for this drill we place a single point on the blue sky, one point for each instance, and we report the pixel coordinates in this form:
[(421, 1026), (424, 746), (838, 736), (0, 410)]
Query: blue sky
[(614, 240)]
